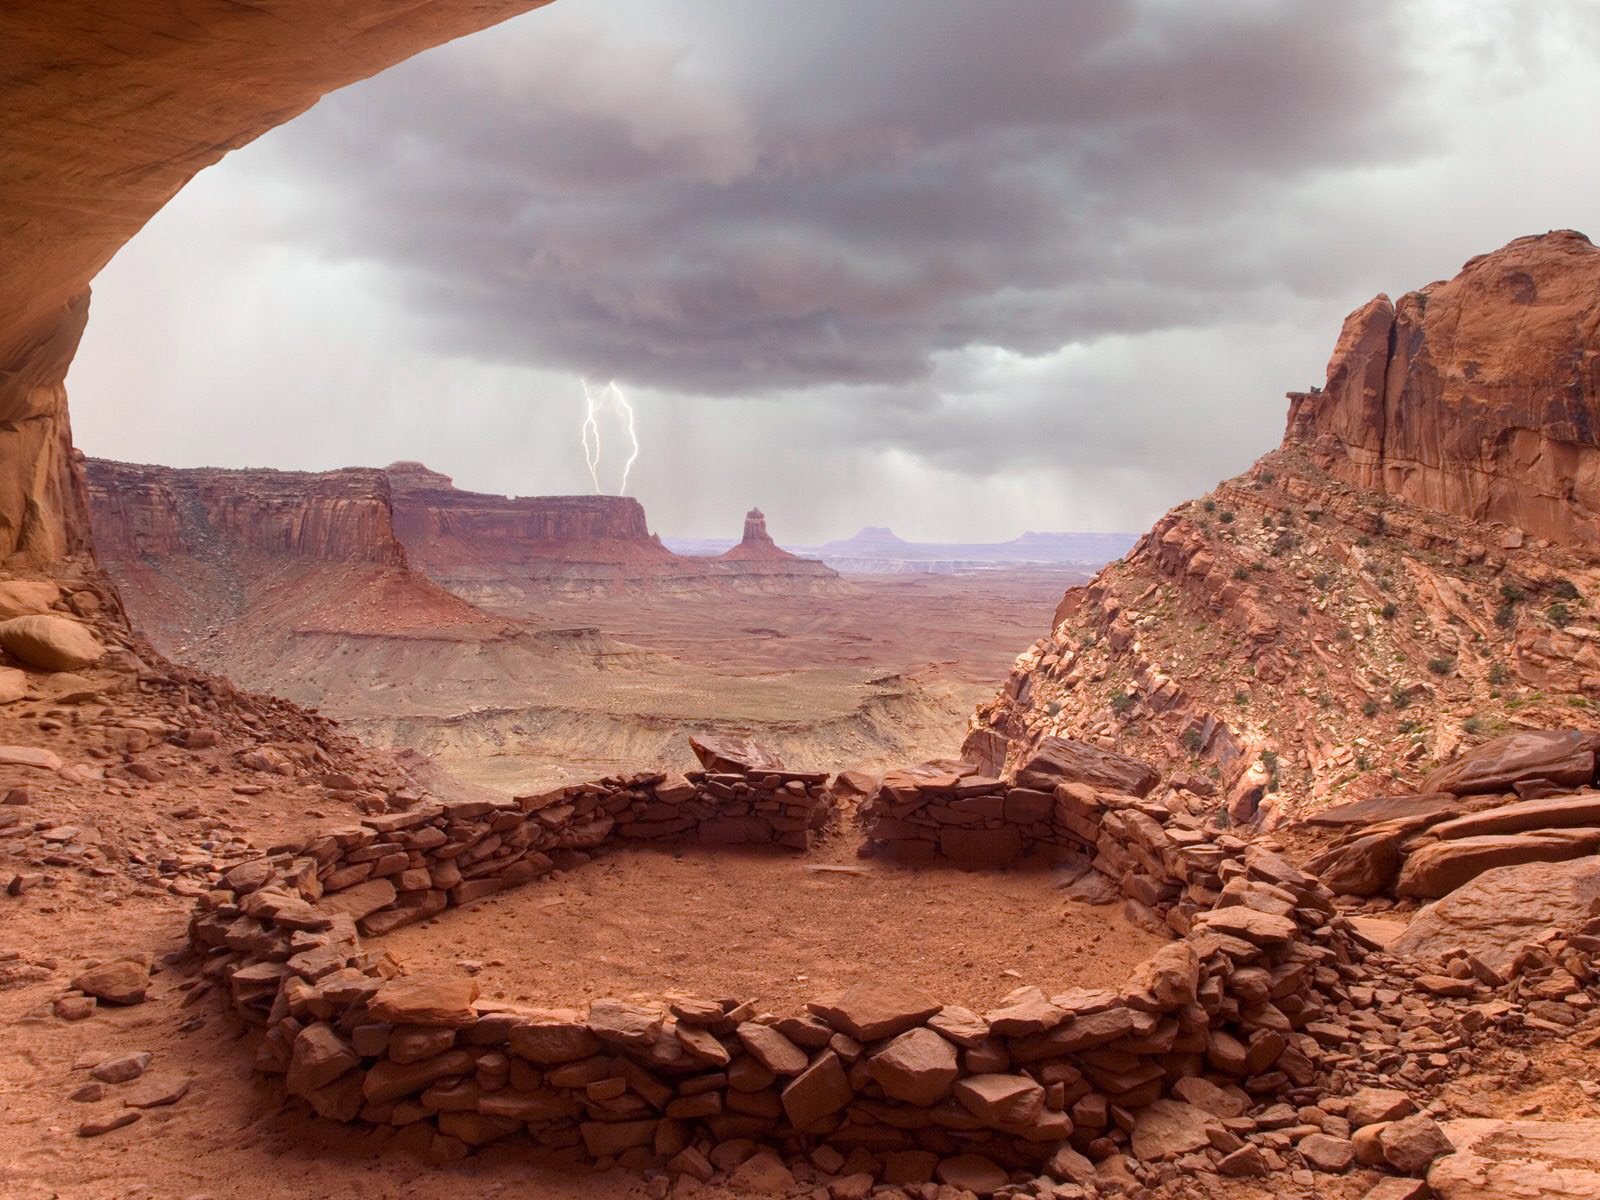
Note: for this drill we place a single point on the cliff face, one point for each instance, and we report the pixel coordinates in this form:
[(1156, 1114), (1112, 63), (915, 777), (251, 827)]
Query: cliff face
[(1412, 571), (146, 512), (107, 108), (236, 561), (505, 552), (1478, 397)]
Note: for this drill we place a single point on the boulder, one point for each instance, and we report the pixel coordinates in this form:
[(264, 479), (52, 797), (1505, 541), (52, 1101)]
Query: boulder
[(973, 1173), (1371, 1105), (1563, 756), (1440, 868), (1504, 910), (1436, 805), (22, 598), (1531, 1160), (1363, 867), (1000, 1100), (50, 643), (1059, 760), (818, 1092), (1411, 1144), (122, 982), (733, 755), (13, 685)]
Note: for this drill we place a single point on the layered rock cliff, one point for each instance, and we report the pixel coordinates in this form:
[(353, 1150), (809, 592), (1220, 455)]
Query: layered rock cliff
[(222, 559), (1412, 570), (506, 552), (1479, 396), (107, 108)]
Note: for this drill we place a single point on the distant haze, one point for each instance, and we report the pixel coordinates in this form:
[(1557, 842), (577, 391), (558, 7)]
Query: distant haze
[(959, 269)]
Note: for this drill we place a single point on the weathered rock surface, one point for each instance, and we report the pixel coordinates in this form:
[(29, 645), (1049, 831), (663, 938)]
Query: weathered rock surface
[(1439, 869), (1529, 1160), (1502, 362), (50, 643), (1503, 910), (1563, 757), (1058, 760)]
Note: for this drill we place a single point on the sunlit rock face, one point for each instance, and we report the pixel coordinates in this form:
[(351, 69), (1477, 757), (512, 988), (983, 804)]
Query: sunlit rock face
[(1479, 396), (107, 108)]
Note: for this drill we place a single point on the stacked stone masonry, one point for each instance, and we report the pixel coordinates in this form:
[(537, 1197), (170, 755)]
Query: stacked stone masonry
[(888, 1070)]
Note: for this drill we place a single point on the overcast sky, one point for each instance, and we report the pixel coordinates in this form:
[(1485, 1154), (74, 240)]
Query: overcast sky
[(958, 268)]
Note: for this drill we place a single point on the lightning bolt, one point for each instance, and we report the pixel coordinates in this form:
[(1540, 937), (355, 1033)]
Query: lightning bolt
[(632, 436), (591, 454), (593, 403)]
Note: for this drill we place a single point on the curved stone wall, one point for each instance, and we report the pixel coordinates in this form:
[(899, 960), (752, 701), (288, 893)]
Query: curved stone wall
[(887, 1070)]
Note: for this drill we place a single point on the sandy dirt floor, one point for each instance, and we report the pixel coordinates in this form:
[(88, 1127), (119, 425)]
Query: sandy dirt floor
[(771, 927)]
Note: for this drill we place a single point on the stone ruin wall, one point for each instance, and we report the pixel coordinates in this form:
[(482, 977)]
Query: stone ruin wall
[(886, 1069)]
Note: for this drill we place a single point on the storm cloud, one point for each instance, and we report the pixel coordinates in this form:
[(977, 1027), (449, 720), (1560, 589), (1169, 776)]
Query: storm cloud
[(1089, 244)]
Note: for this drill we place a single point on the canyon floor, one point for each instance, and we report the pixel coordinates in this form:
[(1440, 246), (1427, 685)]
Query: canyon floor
[(884, 675)]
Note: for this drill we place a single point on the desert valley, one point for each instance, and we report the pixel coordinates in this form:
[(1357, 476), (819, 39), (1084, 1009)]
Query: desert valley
[(366, 835)]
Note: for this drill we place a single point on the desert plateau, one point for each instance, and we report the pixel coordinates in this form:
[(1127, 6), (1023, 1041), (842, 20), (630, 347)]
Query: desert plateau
[(574, 807)]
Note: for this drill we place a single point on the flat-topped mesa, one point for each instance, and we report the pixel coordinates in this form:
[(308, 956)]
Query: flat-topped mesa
[(449, 530), (242, 560), (149, 513), (1479, 396)]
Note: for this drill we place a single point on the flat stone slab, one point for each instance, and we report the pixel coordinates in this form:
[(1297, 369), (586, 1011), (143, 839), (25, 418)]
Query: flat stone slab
[(1439, 869), (1379, 809), (1529, 1160), (1552, 812), (1563, 756)]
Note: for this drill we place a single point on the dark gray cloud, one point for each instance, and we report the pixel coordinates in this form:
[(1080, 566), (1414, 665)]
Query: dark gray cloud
[(959, 267), (842, 191)]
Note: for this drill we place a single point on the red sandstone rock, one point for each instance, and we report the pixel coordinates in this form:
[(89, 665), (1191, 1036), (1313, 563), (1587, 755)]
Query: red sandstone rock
[(1440, 868), (1058, 760), (1539, 1160), (718, 752), (1501, 361), (918, 1067), (873, 1010), (426, 999), (1560, 756), (50, 643), (1556, 812), (1503, 910)]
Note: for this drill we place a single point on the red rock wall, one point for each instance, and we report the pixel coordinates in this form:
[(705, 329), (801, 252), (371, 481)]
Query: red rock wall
[(1479, 396), (447, 529), (151, 513)]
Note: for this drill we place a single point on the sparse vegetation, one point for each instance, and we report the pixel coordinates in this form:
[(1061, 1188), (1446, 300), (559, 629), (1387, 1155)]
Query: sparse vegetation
[(1241, 573), (1209, 505), (1497, 674), (1565, 589), (1121, 702), (1225, 517), (1558, 614), (1505, 615), (1389, 611), (1369, 708), (1474, 726), (1442, 665), (1512, 594)]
